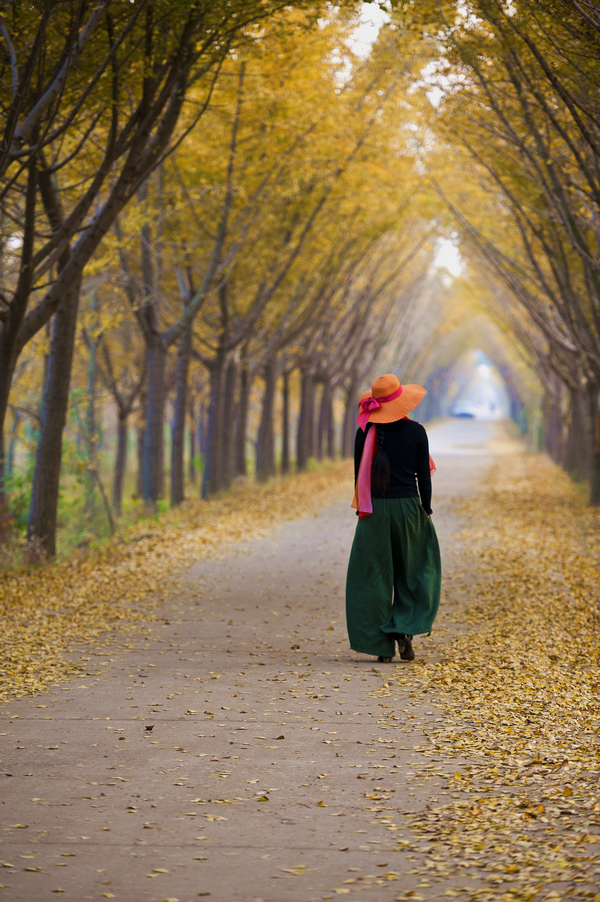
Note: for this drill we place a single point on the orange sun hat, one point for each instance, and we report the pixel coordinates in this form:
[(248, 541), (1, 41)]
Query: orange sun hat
[(388, 401)]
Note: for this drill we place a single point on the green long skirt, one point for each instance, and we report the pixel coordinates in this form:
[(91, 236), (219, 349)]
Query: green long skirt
[(394, 576)]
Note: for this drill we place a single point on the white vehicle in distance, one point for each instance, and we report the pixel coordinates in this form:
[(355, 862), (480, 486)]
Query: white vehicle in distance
[(465, 409)]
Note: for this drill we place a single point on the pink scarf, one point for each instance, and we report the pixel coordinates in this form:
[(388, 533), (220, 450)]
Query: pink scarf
[(362, 494)]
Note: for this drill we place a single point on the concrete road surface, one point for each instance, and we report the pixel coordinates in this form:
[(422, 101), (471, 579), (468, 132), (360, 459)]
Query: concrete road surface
[(232, 751)]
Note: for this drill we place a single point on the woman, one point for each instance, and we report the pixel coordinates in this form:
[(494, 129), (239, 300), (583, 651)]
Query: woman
[(394, 573)]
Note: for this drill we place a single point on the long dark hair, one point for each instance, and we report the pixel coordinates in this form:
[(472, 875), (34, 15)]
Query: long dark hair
[(380, 471)]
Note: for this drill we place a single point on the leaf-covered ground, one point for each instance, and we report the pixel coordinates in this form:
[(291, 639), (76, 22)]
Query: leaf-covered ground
[(517, 816), (520, 818), (49, 614)]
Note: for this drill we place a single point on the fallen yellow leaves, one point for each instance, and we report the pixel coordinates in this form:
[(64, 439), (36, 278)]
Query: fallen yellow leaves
[(50, 612), (520, 692)]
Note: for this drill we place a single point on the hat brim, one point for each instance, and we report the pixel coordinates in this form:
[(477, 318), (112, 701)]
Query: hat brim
[(400, 407)]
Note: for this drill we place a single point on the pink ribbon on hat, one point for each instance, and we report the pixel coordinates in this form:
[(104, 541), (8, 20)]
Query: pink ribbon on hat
[(368, 405)]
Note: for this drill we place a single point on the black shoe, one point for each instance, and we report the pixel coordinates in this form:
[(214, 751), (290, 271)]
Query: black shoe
[(382, 660), (407, 654), (401, 640)]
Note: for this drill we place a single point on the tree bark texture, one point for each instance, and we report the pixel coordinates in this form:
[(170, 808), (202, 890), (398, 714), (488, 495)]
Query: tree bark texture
[(349, 427), (306, 424), (331, 449), (43, 509), (213, 466), (285, 423), (578, 449), (593, 398), (553, 424), (229, 421), (316, 405), (140, 458), (12, 444), (153, 442), (90, 426), (11, 327), (192, 462), (241, 426), (265, 446), (326, 424), (120, 464), (321, 424), (202, 430), (181, 400), (6, 372)]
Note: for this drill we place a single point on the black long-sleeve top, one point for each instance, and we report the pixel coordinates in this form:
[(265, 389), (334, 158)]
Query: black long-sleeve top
[(406, 445)]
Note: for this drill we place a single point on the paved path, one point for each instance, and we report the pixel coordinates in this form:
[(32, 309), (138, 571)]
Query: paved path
[(231, 753)]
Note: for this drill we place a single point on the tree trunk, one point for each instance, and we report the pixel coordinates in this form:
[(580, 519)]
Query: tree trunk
[(229, 422), (331, 430), (350, 414), (241, 429), (321, 425), (594, 409), (6, 372), (578, 446), (192, 461), (202, 431), (120, 463), (213, 466), (9, 334), (90, 426), (306, 424), (437, 385), (315, 452), (181, 399), (12, 444), (326, 442), (517, 412), (265, 446), (285, 424), (43, 509), (140, 458), (553, 424), (153, 464)]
